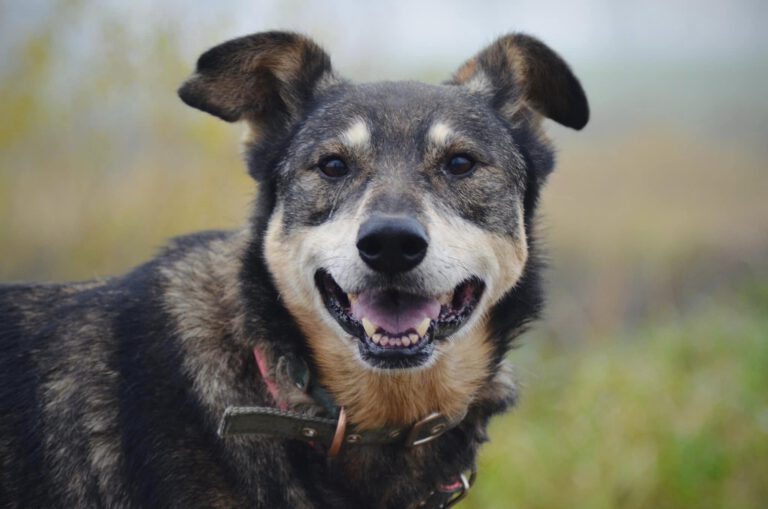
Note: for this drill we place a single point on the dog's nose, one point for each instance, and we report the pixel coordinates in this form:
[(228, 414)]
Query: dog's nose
[(392, 244)]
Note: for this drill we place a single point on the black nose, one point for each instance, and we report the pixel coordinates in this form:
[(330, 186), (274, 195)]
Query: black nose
[(392, 244)]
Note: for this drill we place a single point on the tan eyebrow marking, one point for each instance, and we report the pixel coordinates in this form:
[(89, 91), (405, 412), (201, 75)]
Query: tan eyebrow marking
[(357, 134), (440, 132)]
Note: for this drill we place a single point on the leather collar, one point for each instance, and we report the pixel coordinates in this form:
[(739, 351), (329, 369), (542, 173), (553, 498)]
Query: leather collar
[(332, 433), (284, 423)]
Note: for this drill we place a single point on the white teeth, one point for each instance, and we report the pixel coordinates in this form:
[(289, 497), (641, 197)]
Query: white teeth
[(384, 340), (421, 329), (445, 299), (405, 340), (352, 297), (370, 329)]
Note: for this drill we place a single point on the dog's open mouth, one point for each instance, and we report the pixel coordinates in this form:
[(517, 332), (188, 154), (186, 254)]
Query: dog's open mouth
[(398, 329)]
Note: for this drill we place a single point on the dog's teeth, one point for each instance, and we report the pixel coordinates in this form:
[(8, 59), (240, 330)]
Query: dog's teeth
[(445, 299), (421, 329), (384, 340), (406, 341), (414, 338), (370, 329), (376, 338), (352, 297), (395, 341)]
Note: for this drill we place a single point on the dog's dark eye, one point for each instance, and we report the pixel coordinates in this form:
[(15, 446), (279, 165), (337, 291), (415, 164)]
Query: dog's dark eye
[(460, 165), (333, 167)]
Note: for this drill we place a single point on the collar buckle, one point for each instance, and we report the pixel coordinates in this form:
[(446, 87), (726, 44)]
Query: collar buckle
[(427, 429)]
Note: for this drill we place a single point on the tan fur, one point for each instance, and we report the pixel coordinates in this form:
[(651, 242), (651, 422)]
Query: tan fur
[(202, 295), (375, 398), (440, 133), (504, 258), (371, 398), (466, 71), (472, 76), (245, 86), (356, 135)]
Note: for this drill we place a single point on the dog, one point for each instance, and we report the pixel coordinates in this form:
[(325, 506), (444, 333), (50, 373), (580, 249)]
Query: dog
[(346, 348)]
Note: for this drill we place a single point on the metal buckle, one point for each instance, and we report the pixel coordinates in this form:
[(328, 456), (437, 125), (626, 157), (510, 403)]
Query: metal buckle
[(465, 485), (434, 423)]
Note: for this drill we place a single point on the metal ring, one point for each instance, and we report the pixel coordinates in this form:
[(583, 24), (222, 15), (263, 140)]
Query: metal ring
[(465, 485), (338, 437)]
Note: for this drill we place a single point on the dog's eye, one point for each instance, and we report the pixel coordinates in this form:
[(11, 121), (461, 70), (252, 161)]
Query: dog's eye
[(333, 167), (460, 165)]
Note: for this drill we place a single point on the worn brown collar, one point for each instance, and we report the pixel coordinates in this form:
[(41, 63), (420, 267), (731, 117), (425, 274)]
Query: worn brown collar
[(333, 433)]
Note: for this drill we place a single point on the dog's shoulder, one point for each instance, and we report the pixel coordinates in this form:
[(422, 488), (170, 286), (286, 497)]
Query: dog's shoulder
[(81, 363)]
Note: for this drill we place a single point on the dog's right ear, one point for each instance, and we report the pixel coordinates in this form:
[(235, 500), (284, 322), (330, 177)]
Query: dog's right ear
[(266, 79)]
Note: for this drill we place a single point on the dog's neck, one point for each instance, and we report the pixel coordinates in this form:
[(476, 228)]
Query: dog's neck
[(378, 398), (372, 398), (218, 333)]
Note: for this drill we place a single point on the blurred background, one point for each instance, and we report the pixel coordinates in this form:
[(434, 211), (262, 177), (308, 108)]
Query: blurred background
[(646, 383)]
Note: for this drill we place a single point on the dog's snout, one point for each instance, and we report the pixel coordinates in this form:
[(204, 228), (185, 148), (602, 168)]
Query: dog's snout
[(392, 244)]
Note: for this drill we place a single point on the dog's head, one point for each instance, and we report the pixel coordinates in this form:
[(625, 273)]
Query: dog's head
[(400, 212)]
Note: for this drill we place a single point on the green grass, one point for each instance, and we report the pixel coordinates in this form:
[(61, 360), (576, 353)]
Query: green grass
[(673, 415)]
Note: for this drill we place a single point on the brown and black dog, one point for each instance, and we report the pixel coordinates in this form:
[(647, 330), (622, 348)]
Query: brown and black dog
[(347, 348)]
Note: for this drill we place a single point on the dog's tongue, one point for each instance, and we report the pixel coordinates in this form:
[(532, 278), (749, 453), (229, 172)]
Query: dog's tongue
[(395, 312)]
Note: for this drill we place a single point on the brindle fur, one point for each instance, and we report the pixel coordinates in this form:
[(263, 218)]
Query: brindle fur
[(111, 391)]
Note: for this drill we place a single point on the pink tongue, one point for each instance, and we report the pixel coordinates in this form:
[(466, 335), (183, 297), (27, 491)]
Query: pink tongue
[(395, 312)]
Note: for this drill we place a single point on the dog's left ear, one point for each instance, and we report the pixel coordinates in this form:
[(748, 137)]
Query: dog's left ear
[(518, 70), (267, 79)]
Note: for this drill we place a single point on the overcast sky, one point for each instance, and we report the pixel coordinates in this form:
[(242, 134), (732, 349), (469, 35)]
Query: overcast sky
[(397, 35)]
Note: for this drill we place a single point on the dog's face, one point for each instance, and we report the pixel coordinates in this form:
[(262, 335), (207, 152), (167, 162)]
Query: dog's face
[(398, 213), (398, 218)]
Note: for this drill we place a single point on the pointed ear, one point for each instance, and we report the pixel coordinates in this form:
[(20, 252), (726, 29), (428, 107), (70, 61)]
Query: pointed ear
[(265, 78), (519, 70)]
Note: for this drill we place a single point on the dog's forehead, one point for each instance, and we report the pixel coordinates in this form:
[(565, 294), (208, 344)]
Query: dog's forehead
[(402, 112)]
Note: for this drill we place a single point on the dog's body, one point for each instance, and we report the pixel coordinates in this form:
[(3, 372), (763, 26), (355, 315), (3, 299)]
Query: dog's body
[(391, 253)]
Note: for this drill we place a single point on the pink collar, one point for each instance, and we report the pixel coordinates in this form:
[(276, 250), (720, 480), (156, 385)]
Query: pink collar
[(268, 381)]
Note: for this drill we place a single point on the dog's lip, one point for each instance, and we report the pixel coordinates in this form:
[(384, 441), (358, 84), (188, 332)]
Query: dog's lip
[(396, 328)]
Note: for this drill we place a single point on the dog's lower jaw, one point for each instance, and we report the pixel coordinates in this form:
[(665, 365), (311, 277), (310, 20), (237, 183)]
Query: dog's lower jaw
[(377, 398)]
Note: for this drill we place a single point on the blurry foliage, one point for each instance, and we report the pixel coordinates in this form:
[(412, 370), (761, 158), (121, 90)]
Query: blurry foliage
[(100, 163), (674, 414), (645, 386)]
